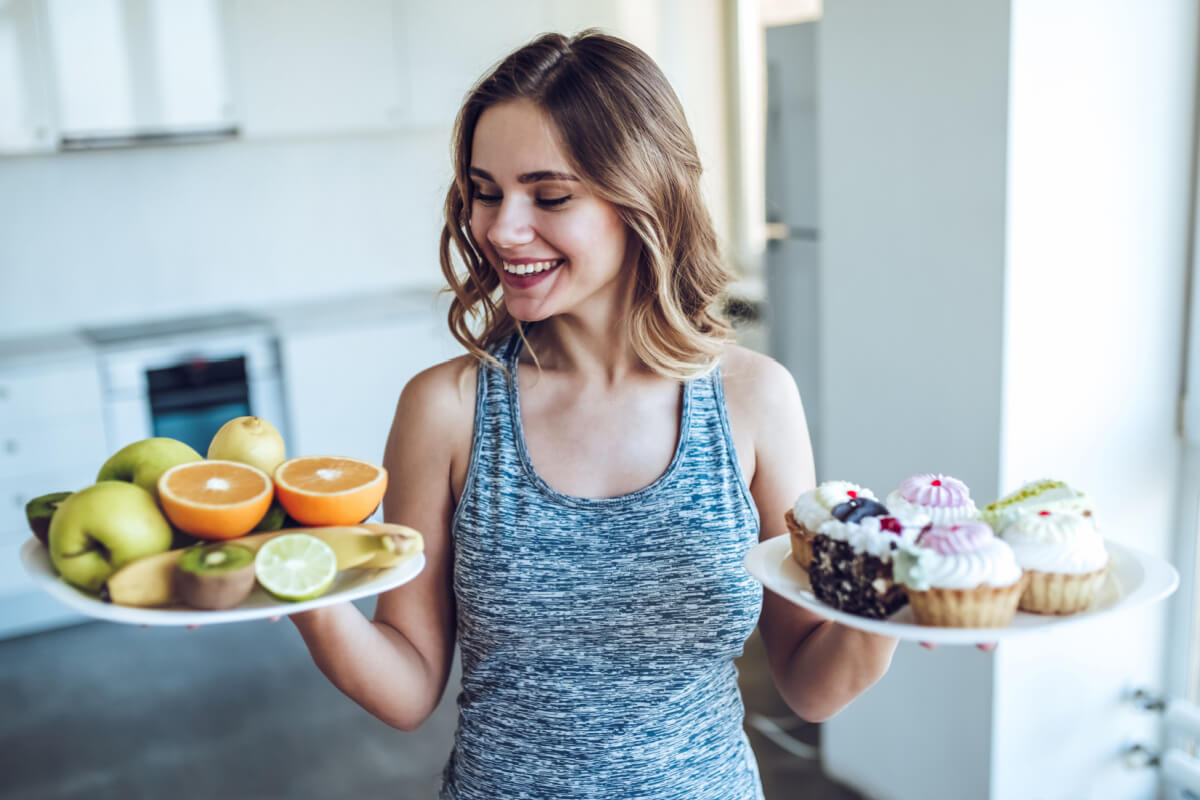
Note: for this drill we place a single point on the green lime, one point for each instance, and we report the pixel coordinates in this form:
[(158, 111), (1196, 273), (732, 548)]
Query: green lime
[(295, 566)]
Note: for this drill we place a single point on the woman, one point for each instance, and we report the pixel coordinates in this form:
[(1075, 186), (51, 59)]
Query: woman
[(589, 477)]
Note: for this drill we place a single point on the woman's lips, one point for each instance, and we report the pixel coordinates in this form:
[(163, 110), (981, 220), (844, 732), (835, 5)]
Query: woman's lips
[(523, 281)]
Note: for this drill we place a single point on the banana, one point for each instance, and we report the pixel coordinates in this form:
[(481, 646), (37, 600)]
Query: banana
[(150, 581)]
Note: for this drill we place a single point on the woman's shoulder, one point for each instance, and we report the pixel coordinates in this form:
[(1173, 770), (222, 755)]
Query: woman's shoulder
[(754, 380), (442, 395)]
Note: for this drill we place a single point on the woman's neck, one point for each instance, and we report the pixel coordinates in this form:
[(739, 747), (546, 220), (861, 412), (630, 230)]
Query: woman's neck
[(593, 344)]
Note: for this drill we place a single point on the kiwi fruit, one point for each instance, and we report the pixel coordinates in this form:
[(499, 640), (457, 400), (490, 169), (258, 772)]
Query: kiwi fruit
[(215, 576), (39, 510), (273, 520)]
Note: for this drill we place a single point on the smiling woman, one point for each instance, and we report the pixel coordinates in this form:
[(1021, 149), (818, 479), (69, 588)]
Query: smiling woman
[(591, 475), (584, 148)]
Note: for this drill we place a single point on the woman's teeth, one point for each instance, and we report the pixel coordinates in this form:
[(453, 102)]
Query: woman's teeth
[(530, 268)]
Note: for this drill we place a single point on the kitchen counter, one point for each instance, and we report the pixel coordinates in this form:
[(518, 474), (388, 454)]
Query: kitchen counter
[(347, 310), (37, 350)]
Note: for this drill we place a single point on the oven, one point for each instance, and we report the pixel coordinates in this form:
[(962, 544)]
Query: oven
[(184, 378)]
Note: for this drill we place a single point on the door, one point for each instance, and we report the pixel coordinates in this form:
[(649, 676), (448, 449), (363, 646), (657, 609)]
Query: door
[(792, 257)]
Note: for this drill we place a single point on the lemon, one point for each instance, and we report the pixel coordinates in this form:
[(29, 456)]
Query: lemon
[(295, 566), (249, 440)]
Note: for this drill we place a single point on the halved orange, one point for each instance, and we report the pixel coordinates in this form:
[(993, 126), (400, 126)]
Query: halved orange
[(329, 490), (215, 499)]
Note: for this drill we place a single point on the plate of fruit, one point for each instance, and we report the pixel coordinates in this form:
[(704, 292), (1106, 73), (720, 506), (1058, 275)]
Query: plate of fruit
[(169, 537)]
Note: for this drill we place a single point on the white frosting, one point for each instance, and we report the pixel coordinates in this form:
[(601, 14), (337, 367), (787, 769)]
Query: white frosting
[(813, 507), (867, 536), (938, 515), (994, 563), (1062, 543)]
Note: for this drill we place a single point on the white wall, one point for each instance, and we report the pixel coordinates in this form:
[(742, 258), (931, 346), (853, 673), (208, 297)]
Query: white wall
[(101, 237), (1100, 148), (1005, 208)]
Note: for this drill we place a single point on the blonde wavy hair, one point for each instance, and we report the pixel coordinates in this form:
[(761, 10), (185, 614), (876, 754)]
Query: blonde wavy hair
[(625, 135)]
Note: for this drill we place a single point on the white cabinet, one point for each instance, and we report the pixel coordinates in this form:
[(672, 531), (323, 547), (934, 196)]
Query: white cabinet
[(51, 440), (26, 118), (138, 68), (343, 380), (313, 67), (446, 47)]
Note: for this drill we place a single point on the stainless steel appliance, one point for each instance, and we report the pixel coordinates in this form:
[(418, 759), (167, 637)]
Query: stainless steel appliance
[(185, 377)]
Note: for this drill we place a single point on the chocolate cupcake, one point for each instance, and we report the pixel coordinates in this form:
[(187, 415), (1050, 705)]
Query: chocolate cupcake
[(851, 568)]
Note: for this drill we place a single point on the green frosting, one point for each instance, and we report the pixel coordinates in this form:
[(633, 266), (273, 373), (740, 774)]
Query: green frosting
[(993, 513), (909, 567)]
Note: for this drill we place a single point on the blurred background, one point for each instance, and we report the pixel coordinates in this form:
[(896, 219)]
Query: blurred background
[(966, 228)]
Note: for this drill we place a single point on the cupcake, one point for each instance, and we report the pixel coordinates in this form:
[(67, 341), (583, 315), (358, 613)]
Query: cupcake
[(1065, 557), (813, 509), (851, 568), (944, 500), (960, 575), (1035, 496)]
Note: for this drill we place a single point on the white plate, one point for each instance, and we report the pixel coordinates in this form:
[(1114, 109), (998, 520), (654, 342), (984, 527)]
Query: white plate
[(350, 584), (1135, 579)]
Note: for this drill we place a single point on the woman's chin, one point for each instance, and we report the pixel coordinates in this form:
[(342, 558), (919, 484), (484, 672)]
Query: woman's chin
[(526, 310)]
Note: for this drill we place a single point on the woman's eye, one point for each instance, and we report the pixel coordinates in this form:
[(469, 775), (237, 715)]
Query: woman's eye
[(550, 202), (487, 199)]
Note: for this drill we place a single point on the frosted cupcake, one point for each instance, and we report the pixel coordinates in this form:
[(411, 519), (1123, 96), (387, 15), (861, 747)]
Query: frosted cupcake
[(1035, 496), (1065, 557), (813, 509), (942, 499), (960, 576), (851, 568)]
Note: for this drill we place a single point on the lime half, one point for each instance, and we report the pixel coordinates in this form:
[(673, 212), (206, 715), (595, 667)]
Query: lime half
[(295, 566)]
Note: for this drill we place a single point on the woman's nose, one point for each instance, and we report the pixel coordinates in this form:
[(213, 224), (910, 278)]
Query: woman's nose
[(512, 225)]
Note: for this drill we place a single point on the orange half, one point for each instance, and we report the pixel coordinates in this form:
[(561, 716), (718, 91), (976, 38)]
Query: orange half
[(329, 490), (215, 499)]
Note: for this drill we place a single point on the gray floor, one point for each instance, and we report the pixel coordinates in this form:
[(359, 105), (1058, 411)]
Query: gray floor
[(103, 711)]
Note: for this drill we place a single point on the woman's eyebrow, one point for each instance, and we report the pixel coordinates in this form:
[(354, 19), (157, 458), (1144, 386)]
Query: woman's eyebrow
[(527, 177)]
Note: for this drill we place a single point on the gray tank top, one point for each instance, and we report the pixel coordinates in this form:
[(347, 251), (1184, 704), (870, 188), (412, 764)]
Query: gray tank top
[(598, 635)]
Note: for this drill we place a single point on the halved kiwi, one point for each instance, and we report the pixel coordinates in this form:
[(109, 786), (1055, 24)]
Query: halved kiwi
[(40, 510), (215, 576)]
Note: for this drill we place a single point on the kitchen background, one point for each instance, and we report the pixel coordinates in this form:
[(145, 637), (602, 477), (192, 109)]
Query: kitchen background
[(965, 227)]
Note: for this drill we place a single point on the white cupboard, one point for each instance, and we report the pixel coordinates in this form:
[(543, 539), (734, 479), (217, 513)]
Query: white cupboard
[(27, 123), (317, 67), (343, 377), (51, 439)]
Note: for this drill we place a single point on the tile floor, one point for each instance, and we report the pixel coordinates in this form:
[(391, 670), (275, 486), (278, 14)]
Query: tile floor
[(103, 711)]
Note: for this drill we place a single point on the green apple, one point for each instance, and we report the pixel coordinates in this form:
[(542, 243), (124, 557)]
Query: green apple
[(142, 462), (100, 529)]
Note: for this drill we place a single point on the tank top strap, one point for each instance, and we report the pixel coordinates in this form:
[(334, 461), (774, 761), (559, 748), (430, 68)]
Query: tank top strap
[(492, 440)]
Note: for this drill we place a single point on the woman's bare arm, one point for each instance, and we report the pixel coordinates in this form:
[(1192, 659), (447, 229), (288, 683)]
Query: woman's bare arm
[(396, 666), (818, 666)]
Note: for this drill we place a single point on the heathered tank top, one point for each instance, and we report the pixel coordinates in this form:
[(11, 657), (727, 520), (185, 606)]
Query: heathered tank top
[(598, 635)]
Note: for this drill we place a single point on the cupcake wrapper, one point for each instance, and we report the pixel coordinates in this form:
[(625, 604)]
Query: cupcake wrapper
[(1061, 593), (984, 606), (802, 539)]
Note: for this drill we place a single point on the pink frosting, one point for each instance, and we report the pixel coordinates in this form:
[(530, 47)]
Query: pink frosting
[(935, 491), (961, 537)]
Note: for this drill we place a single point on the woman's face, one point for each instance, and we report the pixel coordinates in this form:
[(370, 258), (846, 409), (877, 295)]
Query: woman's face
[(556, 246)]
